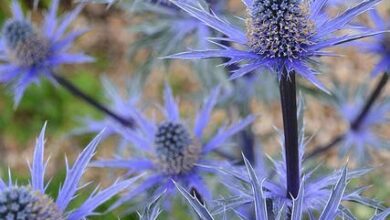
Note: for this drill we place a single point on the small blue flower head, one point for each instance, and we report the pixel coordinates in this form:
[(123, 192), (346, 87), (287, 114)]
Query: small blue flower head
[(27, 52), (380, 44), (359, 140), (25, 203), (281, 35), (31, 201), (172, 149)]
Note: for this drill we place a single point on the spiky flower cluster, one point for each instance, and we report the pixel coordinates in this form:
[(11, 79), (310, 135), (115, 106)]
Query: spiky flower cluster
[(25, 203), (175, 150), (26, 47), (284, 36), (279, 28)]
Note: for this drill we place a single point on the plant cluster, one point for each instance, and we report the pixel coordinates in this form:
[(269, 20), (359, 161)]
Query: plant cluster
[(168, 155)]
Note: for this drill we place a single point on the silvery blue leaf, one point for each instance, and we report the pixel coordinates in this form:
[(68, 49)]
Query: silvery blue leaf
[(333, 203), (199, 208)]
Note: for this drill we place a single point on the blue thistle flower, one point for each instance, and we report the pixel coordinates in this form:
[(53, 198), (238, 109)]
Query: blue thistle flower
[(27, 52), (172, 149), (358, 140), (31, 202), (281, 35)]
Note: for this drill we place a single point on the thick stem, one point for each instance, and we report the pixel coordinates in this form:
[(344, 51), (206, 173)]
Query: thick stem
[(290, 124), (91, 101), (359, 119)]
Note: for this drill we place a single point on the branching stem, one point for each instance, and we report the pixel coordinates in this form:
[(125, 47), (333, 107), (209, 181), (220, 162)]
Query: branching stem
[(355, 125)]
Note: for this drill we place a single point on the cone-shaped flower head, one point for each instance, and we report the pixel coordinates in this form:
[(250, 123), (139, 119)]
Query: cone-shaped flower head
[(28, 52), (174, 148), (25, 46), (281, 35), (32, 203), (25, 203), (279, 29), (169, 150)]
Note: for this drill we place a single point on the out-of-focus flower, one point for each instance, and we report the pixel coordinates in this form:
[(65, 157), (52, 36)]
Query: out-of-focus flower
[(122, 106), (165, 29), (27, 52), (380, 44), (358, 140), (171, 150), (31, 202), (283, 36)]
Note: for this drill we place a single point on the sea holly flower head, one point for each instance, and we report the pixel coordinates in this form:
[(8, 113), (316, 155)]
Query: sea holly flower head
[(28, 52), (281, 35), (32, 202), (279, 29), (359, 139), (170, 149), (24, 203)]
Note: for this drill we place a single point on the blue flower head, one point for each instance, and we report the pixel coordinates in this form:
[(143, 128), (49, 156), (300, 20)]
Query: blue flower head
[(27, 52), (170, 149), (358, 140), (31, 201), (281, 35)]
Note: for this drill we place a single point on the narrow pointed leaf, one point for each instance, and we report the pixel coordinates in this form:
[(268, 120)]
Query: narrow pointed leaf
[(260, 202), (200, 209)]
